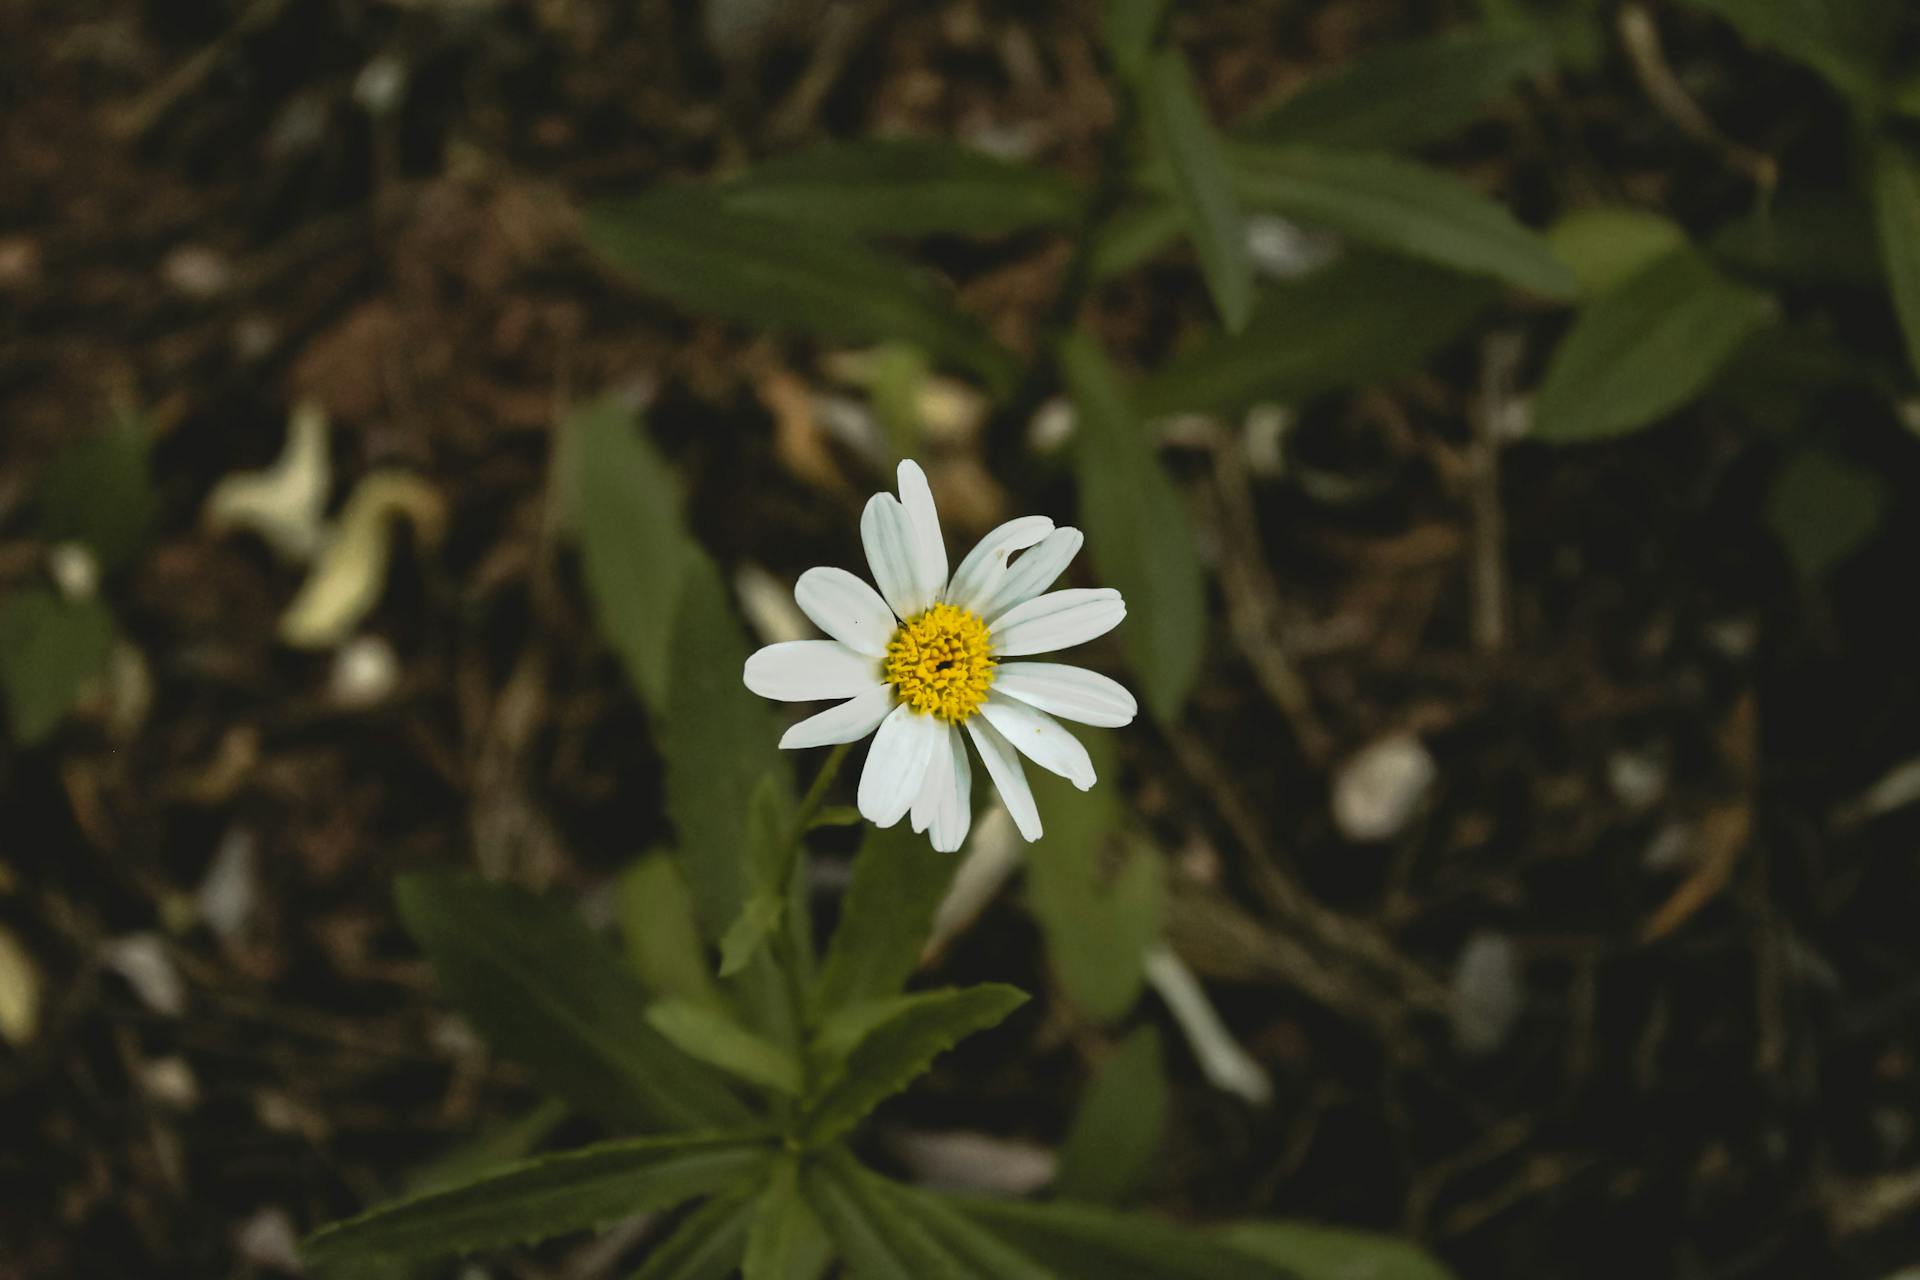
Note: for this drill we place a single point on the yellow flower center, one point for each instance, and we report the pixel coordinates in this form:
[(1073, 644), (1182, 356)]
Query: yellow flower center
[(938, 661)]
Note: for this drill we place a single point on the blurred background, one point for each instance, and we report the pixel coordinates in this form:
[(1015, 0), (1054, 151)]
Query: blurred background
[(1506, 461)]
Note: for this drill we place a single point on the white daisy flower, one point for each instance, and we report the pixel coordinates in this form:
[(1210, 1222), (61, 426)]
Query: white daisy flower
[(925, 658)]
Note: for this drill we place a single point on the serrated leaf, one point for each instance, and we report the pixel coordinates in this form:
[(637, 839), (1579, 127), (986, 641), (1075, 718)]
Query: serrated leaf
[(502, 1143), (1896, 203), (544, 991), (1605, 247), (770, 861), (1188, 150), (49, 649), (979, 1250), (719, 741), (657, 924), (1400, 206), (709, 1035), (1824, 508), (96, 490), (1401, 95), (1844, 40), (1085, 1242), (687, 246), (1097, 894), (787, 1240), (1138, 530), (707, 1246), (898, 882), (1361, 321), (1312, 1252), (633, 547), (906, 187), (1118, 1128), (1645, 348), (876, 1237), (541, 1198), (901, 1046)]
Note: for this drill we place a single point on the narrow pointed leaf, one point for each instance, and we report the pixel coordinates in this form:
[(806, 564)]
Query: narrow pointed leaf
[(1361, 321), (625, 507), (898, 882), (1118, 1129), (1400, 206), (877, 1239), (1188, 149), (1402, 95), (1129, 29), (657, 924), (906, 187), (706, 1033), (1082, 1242), (1312, 1252), (543, 990), (1138, 530), (541, 1198), (982, 1252), (707, 1246), (1645, 348), (686, 245), (1896, 201), (787, 1240), (902, 1046)]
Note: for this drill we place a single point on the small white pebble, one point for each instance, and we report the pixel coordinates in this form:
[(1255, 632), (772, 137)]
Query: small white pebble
[(171, 1083), (365, 671), (1377, 791), (1485, 997), (1638, 779), (196, 271), (268, 1239), (142, 959), (1052, 426), (228, 894), (1282, 249), (75, 570)]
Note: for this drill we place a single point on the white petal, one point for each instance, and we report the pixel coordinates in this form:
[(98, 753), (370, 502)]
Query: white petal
[(1032, 572), (988, 559), (845, 608), (929, 548), (1073, 693), (1041, 739), (1003, 766), (810, 671), (897, 764), (888, 537), (1057, 620), (954, 813), (849, 722)]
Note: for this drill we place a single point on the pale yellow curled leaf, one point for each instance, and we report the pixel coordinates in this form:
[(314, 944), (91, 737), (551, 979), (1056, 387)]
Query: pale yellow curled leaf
[(347, 579), (19, 990), (283, 503)]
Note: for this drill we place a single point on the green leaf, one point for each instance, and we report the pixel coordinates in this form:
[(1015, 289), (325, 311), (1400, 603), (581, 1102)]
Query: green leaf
[(1645, 348), (1188, 150), (707, 1246), (687, 246), (770, 861), (1399, 206), (906, 187), (1402, 95), (1844, 40), (898, 882), (499, 1144), (1896, 203), (97, 490), (1118, 1129), (633, 547), (719, 742), (1824, 508), (1805, 237), (1138, 529), (899, 1047), (705, 1033), (983, 1253), (545, 991), (657, 923), (1084, 1242), (541, 1198), (1362, 321), (49, 649), (1131, 29), (1138, 233), (1312, 1252), (787, 1240), (872, 1231), (1607, 246)]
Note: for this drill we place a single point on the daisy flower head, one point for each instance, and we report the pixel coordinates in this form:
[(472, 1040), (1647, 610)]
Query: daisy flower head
[(925, 664)]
